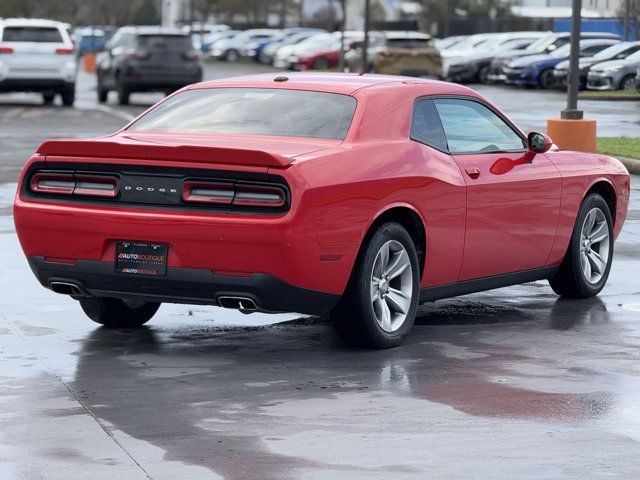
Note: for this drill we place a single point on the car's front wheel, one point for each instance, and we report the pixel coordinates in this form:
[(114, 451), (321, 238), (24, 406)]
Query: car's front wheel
[(628, 83), (117, 313), (546, 79), (379, 306), (585, 268)]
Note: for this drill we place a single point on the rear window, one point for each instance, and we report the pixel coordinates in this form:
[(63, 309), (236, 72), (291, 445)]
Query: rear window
[(408, 43), (257, 111), (31, 34), (174, 43)]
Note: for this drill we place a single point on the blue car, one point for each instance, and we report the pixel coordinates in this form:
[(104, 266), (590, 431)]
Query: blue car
[(282, 37), (537, 70)]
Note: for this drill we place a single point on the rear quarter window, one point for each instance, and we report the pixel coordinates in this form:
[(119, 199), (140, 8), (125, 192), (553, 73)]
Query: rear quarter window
[(32, 34), (253, 111)]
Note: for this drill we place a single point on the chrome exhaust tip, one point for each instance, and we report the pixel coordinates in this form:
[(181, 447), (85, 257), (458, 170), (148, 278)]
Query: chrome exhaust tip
[(244, 304), (66, 288)]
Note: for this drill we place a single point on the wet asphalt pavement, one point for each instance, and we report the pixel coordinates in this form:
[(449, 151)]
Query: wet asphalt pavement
[(509, 384)]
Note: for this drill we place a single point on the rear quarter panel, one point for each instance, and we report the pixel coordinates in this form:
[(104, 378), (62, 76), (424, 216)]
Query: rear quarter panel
[(377, 168), (376, 178)]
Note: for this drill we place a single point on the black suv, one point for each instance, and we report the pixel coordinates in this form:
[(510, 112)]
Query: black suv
[(147, 59)]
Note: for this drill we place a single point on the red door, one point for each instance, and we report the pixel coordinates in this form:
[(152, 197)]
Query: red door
[(512, 212), (513, 196)]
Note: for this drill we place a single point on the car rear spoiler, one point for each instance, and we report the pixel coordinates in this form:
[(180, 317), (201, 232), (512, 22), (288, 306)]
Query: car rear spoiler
[(176, 153)]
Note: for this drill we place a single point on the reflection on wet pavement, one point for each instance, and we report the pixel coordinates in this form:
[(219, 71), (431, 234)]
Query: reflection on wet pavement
[(513, 383)]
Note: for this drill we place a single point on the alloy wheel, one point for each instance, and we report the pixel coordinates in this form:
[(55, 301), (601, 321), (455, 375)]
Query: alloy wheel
[(594, 246), (391, 286)]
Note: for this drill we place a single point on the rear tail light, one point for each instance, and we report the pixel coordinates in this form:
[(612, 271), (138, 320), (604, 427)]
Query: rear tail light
[(192, 55), (138, 55), (64, 51), (69, 183), (59, 183), (259, 196), (208, 192), (96, 186), (6, 50), (238, 194)]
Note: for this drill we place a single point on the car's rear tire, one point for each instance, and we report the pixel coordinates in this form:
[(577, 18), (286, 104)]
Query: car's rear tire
[(103, 93), (232, 55), (123, 95), (379, 305), (117, 313), (123, 90), (48, 98), (68, 96), (586, 265)]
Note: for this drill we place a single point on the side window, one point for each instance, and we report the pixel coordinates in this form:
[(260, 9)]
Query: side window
[(425, 125), (471, 127), (593, 49)]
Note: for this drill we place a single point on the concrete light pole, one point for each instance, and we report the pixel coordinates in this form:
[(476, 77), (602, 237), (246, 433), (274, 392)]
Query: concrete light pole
[(572, 112), (365, 40), (571, 131), (343, 26)]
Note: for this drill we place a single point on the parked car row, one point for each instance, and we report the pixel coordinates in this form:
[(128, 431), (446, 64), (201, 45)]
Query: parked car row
[(541, 59), (392, 52)]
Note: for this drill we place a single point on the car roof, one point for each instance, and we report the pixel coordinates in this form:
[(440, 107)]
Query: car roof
[(408, 34), (601, 35), (151, 30), (31, 22), (597, 41), (343, 83)]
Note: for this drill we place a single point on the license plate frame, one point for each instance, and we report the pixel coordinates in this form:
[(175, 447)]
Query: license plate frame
[(141, 258)]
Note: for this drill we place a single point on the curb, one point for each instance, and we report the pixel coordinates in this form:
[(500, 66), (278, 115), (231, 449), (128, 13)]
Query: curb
[(610, 98), (631, 164)]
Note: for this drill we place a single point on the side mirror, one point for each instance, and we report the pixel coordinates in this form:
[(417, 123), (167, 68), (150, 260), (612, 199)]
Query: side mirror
[(539, 142), (551, 48)]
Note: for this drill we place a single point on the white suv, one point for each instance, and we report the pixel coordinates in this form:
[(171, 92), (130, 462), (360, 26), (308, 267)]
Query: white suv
[(37, 56)]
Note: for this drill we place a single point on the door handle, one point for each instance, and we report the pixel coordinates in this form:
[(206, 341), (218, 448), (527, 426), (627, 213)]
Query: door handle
[(473, 172)]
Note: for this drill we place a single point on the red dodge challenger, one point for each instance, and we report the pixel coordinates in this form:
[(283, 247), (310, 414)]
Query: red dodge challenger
[(356, 196)]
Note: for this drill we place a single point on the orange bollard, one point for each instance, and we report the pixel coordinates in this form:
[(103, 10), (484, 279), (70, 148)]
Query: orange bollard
[(579, 135), (89, 62)]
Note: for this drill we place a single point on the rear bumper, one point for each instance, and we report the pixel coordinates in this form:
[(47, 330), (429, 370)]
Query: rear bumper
[(237, 244), (183, 285), (141, 79), (35, 85)]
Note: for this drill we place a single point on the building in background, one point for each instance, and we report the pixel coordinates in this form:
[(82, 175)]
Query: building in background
[(562, 8)]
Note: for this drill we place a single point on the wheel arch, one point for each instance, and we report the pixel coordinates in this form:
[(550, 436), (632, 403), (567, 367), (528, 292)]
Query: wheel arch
[(410, 218), (606, 190)]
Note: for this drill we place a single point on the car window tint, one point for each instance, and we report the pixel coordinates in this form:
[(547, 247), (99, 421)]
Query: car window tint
[(31, 34), (425, 125), (471, 127), (171, 43), (592, 50), (408, 43), (253, 111)]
